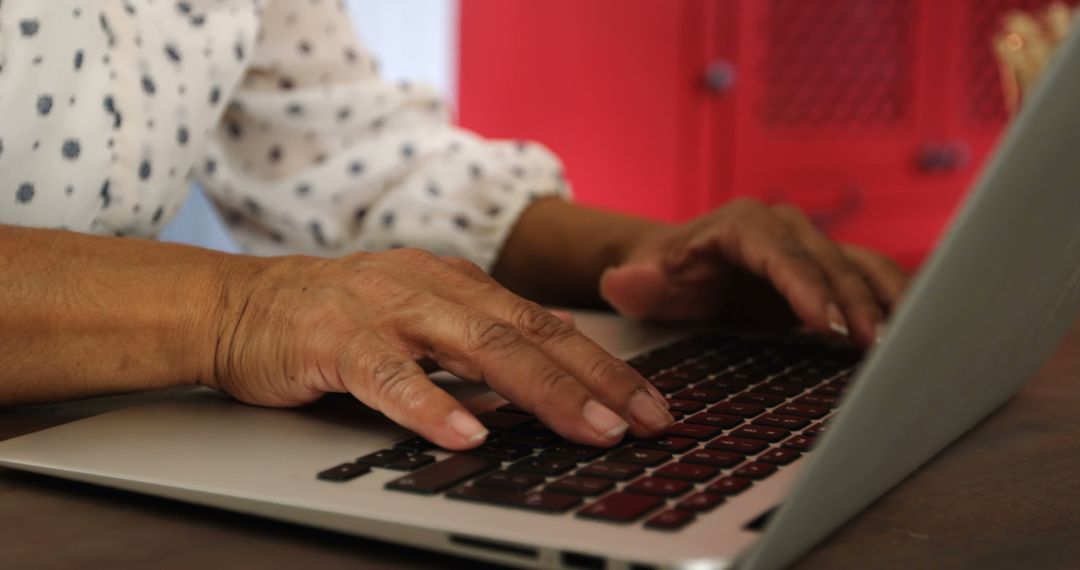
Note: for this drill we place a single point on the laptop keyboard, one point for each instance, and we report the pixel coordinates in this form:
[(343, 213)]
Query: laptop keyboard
[(744, 407)]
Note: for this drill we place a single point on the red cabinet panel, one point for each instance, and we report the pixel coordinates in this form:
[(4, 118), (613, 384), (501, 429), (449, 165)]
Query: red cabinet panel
[(608, 84), (873, 115)]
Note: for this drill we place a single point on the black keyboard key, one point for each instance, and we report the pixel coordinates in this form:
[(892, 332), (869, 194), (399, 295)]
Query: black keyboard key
[(738, 379), (818, 400), (699, 395), (541, 501), (778, 389), (687, 472), (804, 380), (829, 390), (544, 465), (497, 421), (644, 367), (702, 502), (800, 443), (610, 470), (715, 420), (383, 458), (579, 453), (685, 406), (813, 412), (647, 457), (668, 386), (737, 409), (578, 485), (763, 369), (767, 400), (536, 437), (816, 429), (510, 480), (621, 507), (701, 369), (513, 409), (692, 431), (653, 362), (416, 445), (344, 472), (679, 375), (444, 474), (817, 371), (729, 486), (779, 455), (671, 519), (726, 386), (411, 463), (737, 444), (666, 443), (713, 457), (755, 470), (659, 486), (781, 421), (502, 450), (763, 433)]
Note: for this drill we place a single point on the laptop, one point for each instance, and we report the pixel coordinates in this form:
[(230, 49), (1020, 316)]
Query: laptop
[(780, 439)]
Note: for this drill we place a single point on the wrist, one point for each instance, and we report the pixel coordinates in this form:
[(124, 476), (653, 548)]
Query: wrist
[(225, 291)]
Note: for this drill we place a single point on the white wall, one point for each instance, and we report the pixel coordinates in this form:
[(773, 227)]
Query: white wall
[(413, 39)]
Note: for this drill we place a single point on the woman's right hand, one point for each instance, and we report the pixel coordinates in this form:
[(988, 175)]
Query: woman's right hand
[(301, 327)]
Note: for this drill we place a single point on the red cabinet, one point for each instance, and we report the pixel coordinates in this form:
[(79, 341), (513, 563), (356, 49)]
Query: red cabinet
[(872, 115)]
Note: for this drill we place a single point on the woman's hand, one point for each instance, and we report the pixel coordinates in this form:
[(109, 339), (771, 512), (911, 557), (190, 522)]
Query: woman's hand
[(304, 327), (727, 263)]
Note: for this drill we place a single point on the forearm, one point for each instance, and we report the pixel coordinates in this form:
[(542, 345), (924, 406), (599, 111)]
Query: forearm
[(83, 315), (557, 251)]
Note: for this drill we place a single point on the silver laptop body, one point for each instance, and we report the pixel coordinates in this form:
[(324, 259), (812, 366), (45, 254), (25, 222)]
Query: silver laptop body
[(983, 314)]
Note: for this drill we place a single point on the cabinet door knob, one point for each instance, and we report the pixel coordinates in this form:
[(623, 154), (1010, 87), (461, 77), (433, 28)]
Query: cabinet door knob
[(719, 76), (943, 157)]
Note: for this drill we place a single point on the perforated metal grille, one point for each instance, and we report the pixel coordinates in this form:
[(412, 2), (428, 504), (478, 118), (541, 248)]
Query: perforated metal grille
[(837, 63), (985, 101)]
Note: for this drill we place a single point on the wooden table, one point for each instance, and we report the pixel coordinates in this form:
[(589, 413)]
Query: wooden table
[(1007, 495)]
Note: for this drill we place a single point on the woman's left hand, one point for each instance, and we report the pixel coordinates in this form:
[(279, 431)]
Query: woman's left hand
[(732, 262)]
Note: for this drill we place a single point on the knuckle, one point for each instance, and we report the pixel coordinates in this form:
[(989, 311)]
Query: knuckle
[(464, 265), (391, 379), (414, 255), (535, 322), (796, 251), (888, 263), (744, 204), (487, 334), (404, 302), (606, 370), (551, 386), (789, 212)]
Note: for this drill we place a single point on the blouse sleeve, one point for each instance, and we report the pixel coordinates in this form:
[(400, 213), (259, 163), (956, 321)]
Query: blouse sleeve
[(316, 154)]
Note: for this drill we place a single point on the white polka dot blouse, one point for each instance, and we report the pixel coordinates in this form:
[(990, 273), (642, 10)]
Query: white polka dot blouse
[(112, 108)]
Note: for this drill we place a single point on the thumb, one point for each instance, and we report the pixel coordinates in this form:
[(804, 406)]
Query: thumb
[(635, 290)]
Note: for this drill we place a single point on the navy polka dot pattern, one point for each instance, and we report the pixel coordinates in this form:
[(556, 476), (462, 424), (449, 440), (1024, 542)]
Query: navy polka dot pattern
[(116, 106)]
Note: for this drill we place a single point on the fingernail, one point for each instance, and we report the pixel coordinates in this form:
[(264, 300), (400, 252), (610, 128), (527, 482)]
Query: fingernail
[(604, 421), (647, 411), (879, 333), (471, 430), (836, 320), (564, 316), (660, 399)]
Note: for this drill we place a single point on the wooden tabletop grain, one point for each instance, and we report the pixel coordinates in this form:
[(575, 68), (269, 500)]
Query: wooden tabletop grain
[(1006, 495)]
